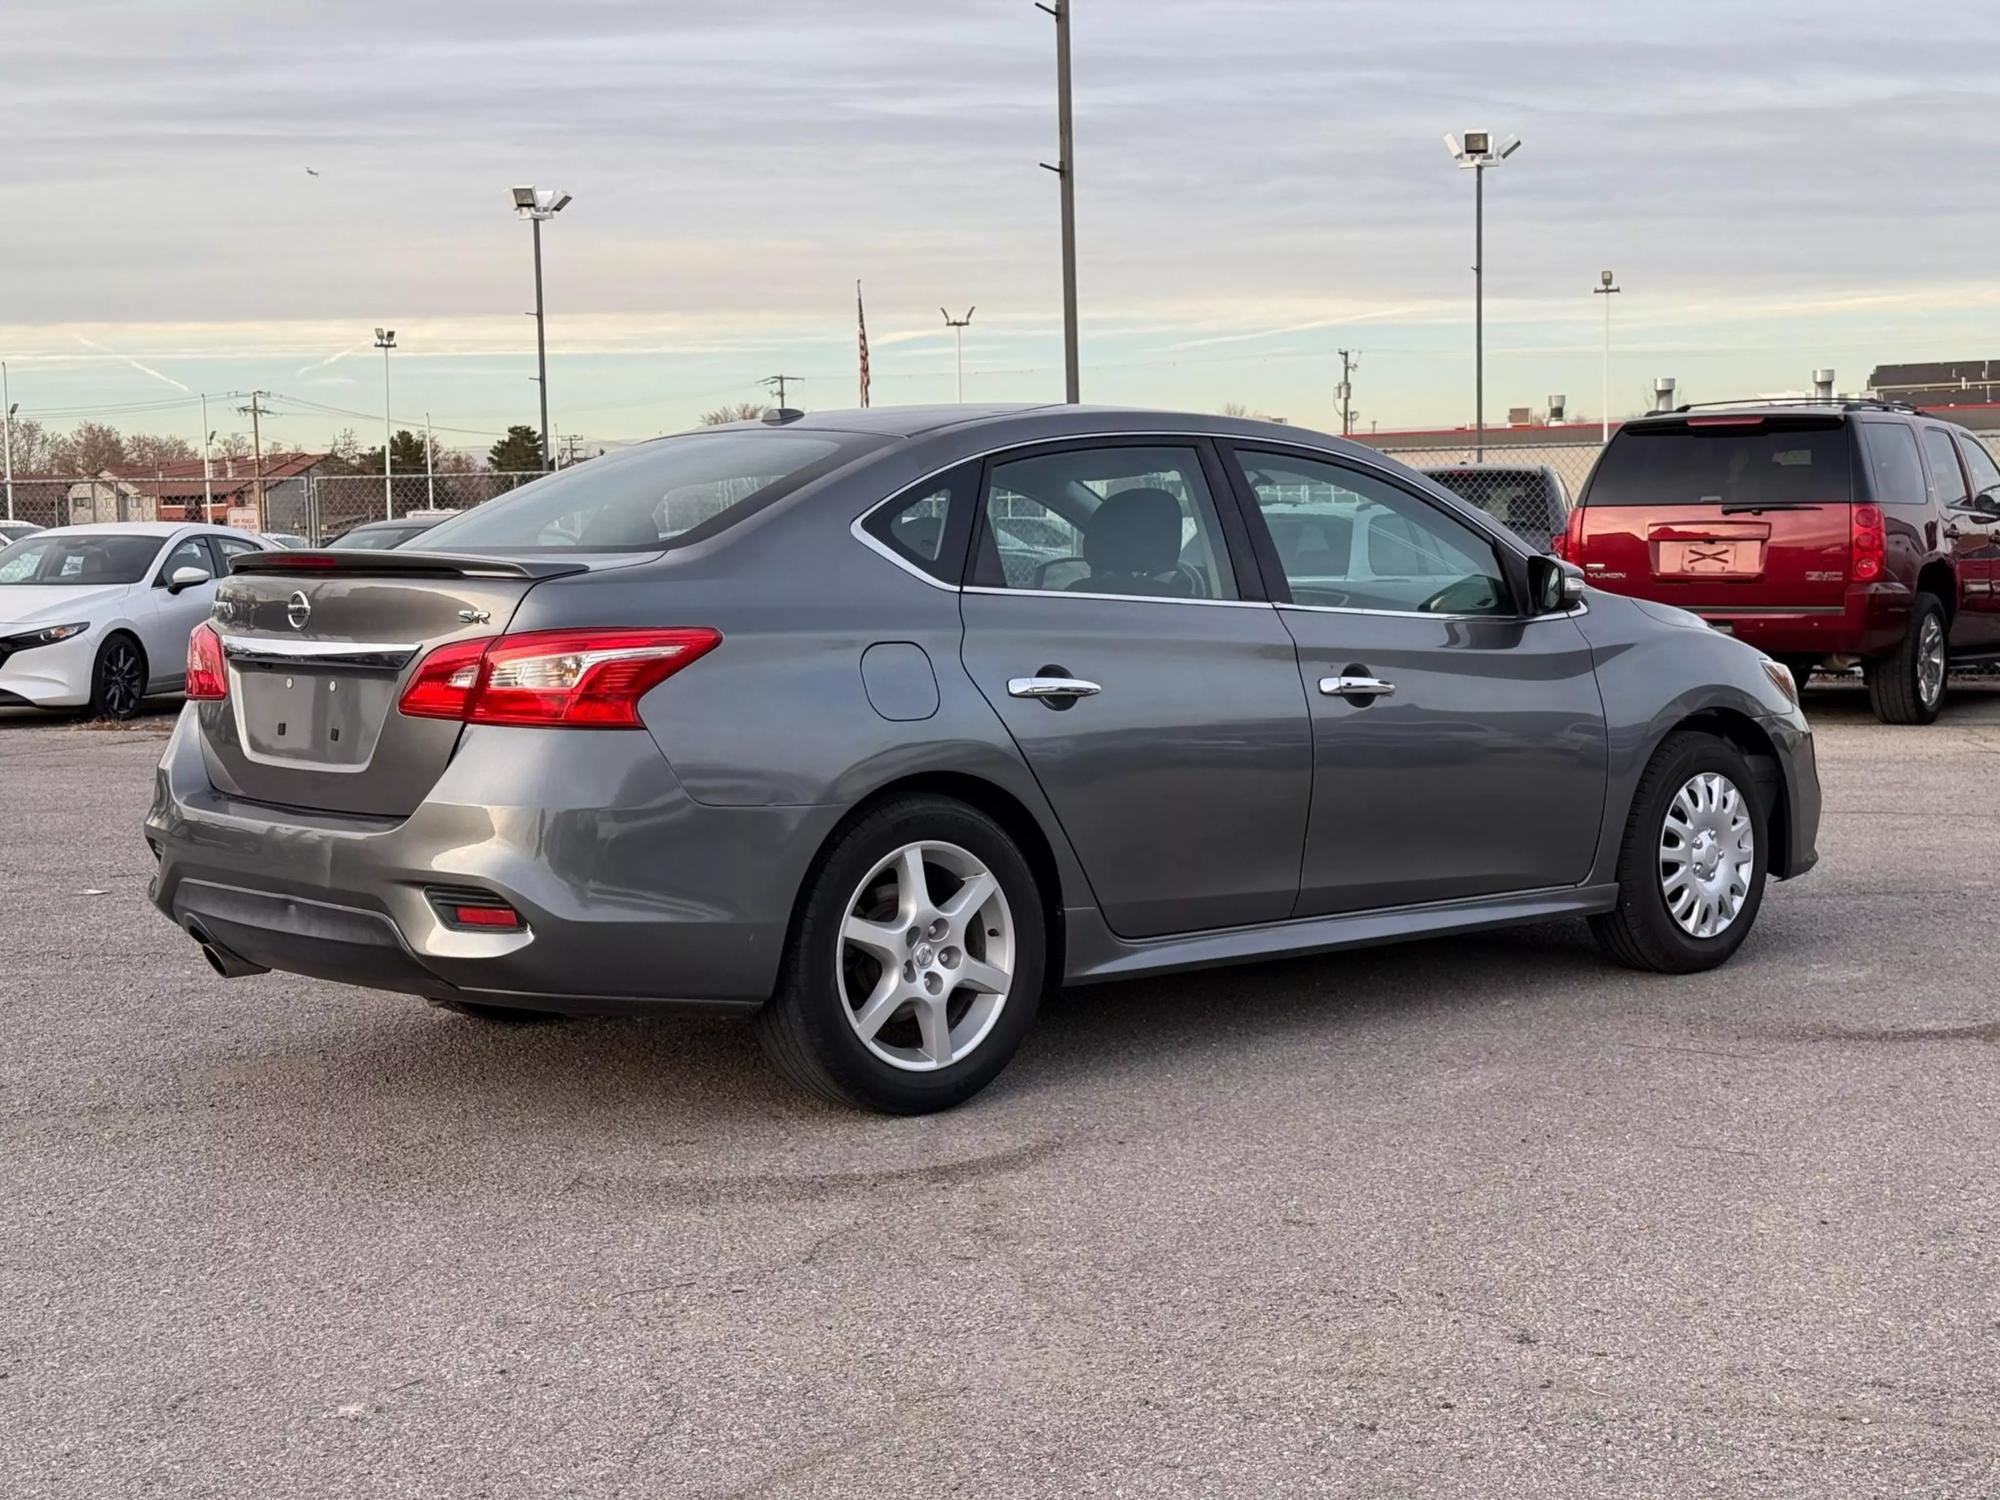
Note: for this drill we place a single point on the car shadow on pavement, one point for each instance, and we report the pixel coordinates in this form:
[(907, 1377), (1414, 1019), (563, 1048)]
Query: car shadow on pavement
[(662, 1077)]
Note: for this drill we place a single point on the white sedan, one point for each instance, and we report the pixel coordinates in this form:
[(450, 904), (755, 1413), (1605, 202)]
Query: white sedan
[(98, 616)]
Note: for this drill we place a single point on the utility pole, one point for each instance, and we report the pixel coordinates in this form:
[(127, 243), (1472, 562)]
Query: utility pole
[(7, 430), (958, 326), (1607, 286), (255, 411), (777, 383), (430, 467), (207, 472), (1065, 169), (1347, 369)]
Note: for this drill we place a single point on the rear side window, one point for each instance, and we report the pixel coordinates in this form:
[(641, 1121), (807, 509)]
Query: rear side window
[(651, 496), (1947, 479), (1725, 461), (1894, 468), (928, 525)]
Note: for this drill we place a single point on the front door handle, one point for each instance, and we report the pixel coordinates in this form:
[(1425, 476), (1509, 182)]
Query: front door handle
[(1051, 687), (1356, 687)]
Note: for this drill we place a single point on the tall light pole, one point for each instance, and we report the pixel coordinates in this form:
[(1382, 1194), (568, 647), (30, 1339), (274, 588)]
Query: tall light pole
[(1065, 169), (958, 326), (430, 469), (1479, 152), (1607, 287), (535, 205), (7, 435), (385, 340)]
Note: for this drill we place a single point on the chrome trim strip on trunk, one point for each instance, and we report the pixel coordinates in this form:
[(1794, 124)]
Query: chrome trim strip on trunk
[(366, 656)]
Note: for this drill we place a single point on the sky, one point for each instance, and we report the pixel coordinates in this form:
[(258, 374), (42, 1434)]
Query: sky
[(1260, 184)]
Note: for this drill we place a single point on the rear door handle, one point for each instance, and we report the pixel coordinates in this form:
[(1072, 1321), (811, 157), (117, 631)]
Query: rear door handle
[(1356, 687), (1051, 687)]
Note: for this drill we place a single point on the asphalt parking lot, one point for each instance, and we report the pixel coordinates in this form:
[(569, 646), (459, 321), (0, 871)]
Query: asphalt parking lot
[(1481, 1217)]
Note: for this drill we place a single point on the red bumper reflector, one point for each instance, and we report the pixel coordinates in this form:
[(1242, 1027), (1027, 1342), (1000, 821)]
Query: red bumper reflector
[(484, 916)]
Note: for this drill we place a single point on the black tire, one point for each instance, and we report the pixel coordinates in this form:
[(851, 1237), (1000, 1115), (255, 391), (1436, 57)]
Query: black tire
[(1641, 932), (118, 679), (1896, 682), (805, 1028), (504, 1015)]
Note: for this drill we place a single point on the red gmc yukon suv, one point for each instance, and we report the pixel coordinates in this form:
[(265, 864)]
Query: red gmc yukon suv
[(1820, 532)]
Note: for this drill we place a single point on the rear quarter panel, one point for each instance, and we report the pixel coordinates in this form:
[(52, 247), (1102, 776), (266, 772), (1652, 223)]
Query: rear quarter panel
[(779, 714)]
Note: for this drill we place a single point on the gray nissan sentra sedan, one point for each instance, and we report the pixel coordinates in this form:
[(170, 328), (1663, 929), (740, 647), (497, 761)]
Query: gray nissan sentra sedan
[(871, 724)]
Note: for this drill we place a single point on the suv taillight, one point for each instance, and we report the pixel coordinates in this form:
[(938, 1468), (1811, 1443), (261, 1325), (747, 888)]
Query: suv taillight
[(1869, 544), (586, 679), (207, 676), (1569, 546)]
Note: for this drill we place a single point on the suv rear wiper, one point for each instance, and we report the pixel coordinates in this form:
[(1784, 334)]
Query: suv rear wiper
[(1751, 510)]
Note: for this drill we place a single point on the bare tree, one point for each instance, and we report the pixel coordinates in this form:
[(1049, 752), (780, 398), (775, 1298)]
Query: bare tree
[(146, 450), (89, 448), (741, 411)]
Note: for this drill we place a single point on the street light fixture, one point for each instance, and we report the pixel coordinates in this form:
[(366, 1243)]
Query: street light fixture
[(535, 205), (1479, 152), (958, 326), (1607, 287), (385, 340)]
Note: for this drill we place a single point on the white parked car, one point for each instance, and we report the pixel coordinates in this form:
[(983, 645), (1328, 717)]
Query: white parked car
[(98, 616)]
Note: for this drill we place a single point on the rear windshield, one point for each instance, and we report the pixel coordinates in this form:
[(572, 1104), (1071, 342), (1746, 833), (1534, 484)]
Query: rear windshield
[(78, 560), (1765, 461), (648, 497), (375, 538)]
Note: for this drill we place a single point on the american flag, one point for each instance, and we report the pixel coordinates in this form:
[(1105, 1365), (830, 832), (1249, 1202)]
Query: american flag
[(861, 321)]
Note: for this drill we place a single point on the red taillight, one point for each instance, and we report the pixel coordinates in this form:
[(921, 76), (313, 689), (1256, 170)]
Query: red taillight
[(207, 676), (445, 681), (1569, 546), (590, 679), (1869, 543)]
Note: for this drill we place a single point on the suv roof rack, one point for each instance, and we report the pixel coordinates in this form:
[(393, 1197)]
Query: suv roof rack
[(1842, 403)]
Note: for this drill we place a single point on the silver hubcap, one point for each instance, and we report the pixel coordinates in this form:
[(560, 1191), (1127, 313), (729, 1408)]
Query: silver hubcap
[(1930, 660), (926, 956), (1708, 852)]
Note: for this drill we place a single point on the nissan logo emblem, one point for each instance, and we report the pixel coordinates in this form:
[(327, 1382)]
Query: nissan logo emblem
[(298, 610)]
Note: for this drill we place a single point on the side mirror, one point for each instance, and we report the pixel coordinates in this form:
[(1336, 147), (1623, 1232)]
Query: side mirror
[(186, 578), (1987, 502), (1553, 585)]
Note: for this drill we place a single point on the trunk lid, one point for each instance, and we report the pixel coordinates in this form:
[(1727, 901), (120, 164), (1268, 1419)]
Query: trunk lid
[(319, 646), (1738, 512)]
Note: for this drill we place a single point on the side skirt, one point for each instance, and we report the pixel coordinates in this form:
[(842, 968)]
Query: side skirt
[(1096, 953)]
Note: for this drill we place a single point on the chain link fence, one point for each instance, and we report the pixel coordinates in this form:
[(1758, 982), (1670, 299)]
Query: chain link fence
[(317, 507), (1527, 487), (338, 503)]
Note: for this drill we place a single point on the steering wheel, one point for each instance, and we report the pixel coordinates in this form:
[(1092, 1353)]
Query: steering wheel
[(1197, 582)]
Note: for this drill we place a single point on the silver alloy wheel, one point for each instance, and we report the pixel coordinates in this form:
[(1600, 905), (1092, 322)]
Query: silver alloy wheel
[(926, 956), (1708, 852), (1930, 660)]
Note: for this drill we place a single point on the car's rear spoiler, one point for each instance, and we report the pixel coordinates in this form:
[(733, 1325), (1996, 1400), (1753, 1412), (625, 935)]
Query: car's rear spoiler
[(404, 564)]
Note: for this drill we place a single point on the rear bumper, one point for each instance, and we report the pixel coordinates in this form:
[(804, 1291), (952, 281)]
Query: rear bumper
[(1870, 621), (635, 896)]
